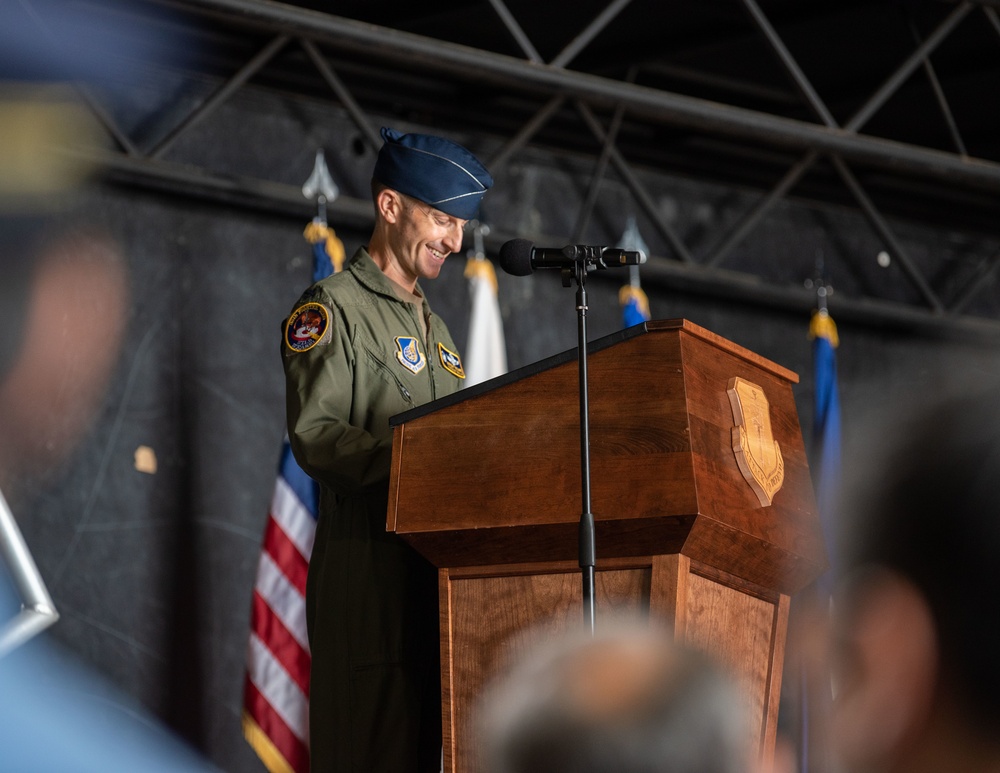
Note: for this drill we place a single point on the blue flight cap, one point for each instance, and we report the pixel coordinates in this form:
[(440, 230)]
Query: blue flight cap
[(433, 170)]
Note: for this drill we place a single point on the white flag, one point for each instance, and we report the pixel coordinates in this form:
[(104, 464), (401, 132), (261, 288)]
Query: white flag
[(486, 352)]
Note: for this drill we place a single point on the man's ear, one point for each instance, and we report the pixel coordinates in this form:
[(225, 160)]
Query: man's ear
[(889, 674), (390, 205)]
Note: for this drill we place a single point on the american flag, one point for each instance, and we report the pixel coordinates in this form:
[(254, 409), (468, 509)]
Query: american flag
[(276, 688), (276, 692)]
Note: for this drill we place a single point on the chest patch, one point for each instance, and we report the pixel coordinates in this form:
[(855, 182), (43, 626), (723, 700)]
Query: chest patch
[(451, 361), (409, 354), (307, 326)]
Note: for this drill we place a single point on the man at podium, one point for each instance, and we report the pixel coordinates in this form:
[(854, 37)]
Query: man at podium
[(376, 350)]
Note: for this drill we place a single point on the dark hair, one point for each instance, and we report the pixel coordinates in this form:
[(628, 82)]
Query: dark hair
[(931, 513)]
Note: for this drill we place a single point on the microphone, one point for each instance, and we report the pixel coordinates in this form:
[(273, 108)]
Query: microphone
[(520, 257)]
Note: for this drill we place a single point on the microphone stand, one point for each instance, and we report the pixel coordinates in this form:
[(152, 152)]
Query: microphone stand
[(587, 547)]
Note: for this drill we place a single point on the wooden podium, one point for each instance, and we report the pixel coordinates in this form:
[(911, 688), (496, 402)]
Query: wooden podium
[(701, 519)]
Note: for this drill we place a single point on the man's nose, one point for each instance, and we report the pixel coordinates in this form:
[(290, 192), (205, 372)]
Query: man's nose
[(453, 241)]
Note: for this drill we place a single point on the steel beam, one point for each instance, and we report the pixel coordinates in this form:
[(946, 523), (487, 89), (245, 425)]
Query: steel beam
[(277, 199), (902, 73), (222, 94), (580, 42), (638, 190), (346, 98), (407, 49)]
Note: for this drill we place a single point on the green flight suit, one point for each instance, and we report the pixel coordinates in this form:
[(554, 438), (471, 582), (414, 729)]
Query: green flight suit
[(354, 356)]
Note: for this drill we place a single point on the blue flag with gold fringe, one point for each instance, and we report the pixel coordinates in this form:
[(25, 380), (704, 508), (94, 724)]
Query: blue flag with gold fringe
[(635, 305), (631, 298), (826, 428), (815, 689)]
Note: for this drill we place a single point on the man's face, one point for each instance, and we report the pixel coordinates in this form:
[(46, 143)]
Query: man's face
[(424, 237)]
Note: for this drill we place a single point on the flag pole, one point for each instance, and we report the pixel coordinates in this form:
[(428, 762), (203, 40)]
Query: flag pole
[(815, 689)]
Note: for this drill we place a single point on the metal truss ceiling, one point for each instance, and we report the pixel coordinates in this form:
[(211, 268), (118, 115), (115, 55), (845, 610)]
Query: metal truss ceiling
[(886, 107)]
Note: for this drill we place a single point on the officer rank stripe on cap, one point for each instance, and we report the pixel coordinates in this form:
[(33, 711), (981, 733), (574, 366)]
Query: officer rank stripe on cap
[(433, 170)]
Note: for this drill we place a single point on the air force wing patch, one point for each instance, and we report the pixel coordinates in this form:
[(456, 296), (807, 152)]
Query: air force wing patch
[(409, 354), (451, 361)]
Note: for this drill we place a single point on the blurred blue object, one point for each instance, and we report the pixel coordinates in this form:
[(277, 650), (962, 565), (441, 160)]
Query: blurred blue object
[(58, 41), (56, 715)]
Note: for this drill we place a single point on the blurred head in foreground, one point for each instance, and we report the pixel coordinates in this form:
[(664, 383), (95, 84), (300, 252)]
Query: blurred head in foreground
[(62, 287), (917, 634), (627, 700)]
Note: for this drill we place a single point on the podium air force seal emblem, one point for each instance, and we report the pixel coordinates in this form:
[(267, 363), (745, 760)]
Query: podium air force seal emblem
[(757, 452)]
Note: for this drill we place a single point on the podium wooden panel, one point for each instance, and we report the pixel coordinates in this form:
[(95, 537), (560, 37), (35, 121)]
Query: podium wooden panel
[(486, 485)]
